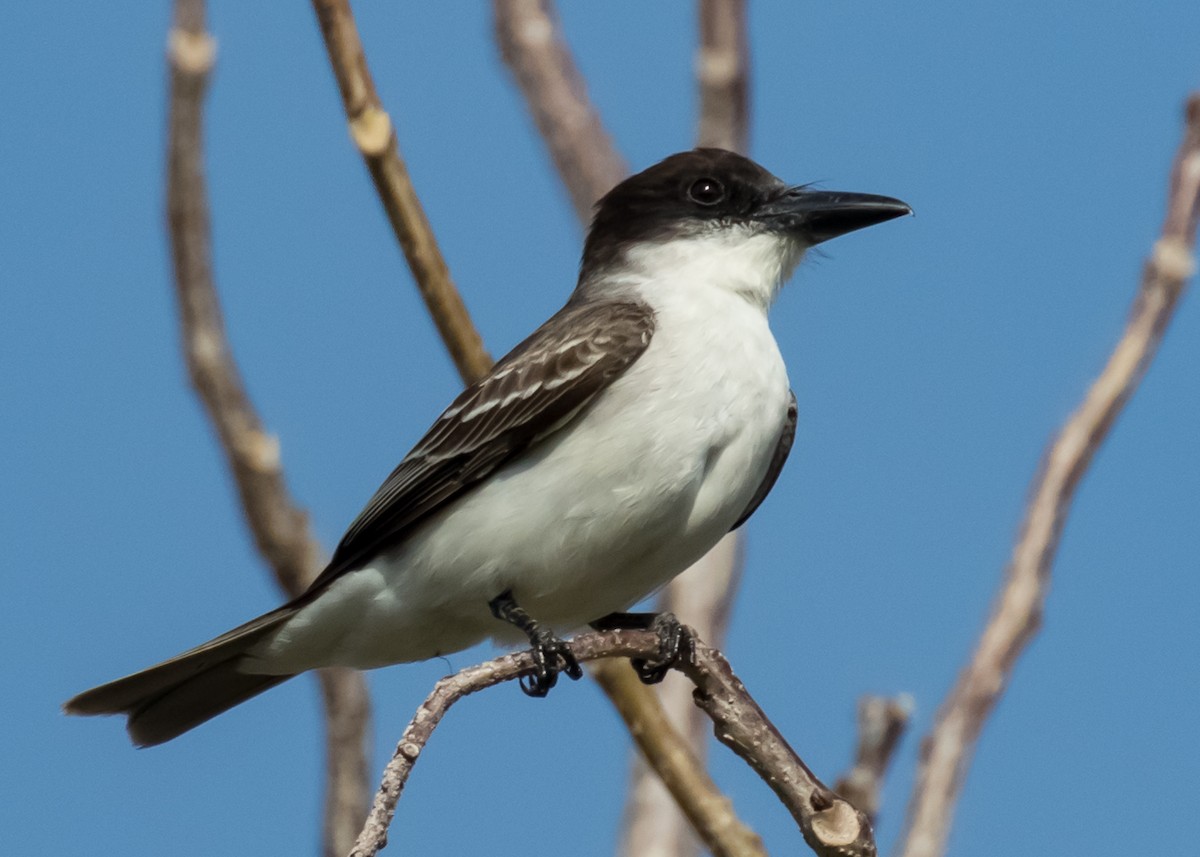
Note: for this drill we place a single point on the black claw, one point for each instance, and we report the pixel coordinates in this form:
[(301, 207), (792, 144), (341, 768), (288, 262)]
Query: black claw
[(551, 655), (570, 665), (674, 641), (539, 682), (538, 687)]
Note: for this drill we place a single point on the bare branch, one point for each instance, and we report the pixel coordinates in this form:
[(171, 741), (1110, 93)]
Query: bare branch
[(532, 45), (881, 723), (279, 527), (723, 71), (679, 773), (1016, 615), (830, 825), (703, 594), (347, 729), (373, 133)]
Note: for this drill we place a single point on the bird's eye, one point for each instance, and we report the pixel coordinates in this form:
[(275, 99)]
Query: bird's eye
[(706, 191)]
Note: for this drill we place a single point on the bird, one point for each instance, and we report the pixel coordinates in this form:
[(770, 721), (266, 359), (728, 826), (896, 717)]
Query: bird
[(598, 459)]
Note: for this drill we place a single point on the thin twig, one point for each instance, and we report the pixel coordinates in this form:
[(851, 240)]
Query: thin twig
[(723, 71), (373, 133), (881, 723), (830, 825), (279, 527), (1016, 615), (533, 47)]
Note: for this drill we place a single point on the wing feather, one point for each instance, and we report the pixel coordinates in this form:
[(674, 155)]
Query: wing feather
[(529, 394), (778, 459)]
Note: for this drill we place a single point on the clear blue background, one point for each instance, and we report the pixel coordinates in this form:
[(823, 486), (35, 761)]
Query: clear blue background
[(932, 357)]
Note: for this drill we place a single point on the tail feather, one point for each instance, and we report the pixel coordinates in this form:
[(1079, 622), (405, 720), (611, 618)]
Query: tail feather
[(166, 700), (196, 700)]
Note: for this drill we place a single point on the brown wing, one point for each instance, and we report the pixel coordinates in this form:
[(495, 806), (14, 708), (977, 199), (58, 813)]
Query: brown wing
[(782, 448), (532, 392)]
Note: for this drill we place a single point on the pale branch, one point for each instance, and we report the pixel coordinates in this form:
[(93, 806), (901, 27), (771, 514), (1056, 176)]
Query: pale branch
[(1016, 615), (347, 775), (373, 133), (881, 724), (723, 72), (279, 527), (703, 594), (533, 47), (829, 824), (652, 822), (688, 787)]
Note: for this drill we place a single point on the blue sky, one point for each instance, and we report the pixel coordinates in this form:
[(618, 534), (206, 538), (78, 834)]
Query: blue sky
[(931, 357)]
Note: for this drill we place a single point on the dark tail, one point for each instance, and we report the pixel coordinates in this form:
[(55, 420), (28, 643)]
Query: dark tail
[(166, 700)]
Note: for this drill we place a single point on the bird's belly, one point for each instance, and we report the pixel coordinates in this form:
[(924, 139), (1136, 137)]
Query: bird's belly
[(640, 485)]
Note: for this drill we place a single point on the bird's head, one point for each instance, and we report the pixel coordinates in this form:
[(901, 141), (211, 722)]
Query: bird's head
[(715, 214)]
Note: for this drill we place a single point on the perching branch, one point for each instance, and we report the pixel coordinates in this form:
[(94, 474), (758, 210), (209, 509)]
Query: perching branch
[(1016, 615), (372, 131), (881, 723), (280, 528), (533, 47), (830, 825)]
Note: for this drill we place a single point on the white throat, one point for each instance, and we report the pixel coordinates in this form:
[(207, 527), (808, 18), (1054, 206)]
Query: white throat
[(741, 260)]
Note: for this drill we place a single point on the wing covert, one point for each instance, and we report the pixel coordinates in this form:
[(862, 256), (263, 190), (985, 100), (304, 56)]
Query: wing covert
[(531, 392)]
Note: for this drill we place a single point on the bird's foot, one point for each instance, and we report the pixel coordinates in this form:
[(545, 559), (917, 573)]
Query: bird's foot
[(675, 641), (551, 655)]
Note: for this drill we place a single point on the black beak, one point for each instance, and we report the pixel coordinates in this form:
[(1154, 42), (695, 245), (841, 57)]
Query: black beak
[(818, 215)]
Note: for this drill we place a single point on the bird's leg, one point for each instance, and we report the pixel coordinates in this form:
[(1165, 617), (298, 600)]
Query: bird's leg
[(551, 655), (675, 640)]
